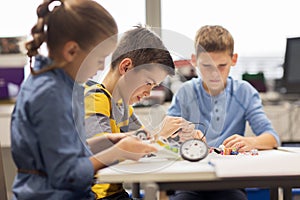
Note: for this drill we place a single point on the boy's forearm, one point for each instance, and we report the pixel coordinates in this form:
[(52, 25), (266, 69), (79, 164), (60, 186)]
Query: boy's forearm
[(105, 158), (265, 141), (99, 143)]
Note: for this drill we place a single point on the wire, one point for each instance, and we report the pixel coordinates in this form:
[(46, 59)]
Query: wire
[(205, 130)]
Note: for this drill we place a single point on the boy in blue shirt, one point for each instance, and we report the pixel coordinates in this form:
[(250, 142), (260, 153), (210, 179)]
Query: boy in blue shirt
[(222, 104)]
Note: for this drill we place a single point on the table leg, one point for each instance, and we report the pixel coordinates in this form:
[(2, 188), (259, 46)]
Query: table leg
[(287, 193), (274, 193), (136, 190), (151, 190)]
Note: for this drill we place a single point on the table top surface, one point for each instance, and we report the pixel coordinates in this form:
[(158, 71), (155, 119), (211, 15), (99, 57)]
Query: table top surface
[(284, 161)]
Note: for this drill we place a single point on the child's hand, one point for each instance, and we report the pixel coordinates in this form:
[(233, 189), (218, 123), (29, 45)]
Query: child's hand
[(191, 135), (116, 137), (239, 142), (172, 125), (132, 148), (129, 147), (199, 135)]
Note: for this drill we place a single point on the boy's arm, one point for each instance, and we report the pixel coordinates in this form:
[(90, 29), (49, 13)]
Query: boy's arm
[(175, 107), (134, 122), (184, 100), (266, 137), (128, 148), (100, 143), (97, 125), (97, 114), (242, 143), (260, 124), (265, 141)]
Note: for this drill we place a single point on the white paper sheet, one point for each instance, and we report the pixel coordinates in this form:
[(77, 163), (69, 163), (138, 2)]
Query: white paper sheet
[(267, 163)]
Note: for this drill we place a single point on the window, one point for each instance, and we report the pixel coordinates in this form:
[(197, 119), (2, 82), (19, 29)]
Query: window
[(126, 13), (19, 16), (259, 27)]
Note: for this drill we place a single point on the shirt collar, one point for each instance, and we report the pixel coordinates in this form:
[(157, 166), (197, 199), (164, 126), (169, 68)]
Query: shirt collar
[(227, 89), (42, 61)]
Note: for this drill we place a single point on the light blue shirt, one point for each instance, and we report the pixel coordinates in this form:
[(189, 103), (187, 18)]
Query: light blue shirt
[(223, 115), (48, 135)]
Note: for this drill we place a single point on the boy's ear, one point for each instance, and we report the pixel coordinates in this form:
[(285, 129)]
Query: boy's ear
[(234, 59), (70, 51), (194, 60), (125, 65)]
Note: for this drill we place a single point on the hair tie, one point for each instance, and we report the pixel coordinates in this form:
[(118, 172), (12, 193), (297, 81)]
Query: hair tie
[(42, 10)]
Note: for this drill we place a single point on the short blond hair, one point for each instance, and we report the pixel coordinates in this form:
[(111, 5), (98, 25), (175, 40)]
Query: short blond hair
[(213, 38)]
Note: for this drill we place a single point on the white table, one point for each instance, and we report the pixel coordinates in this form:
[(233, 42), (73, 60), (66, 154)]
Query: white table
[(270, 169)]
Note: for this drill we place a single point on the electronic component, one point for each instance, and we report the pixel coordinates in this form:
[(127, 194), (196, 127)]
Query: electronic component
[(141, 134), (193, 150)]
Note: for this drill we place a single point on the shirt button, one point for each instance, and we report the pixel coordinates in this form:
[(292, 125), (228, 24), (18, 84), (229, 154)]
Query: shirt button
[(216, 102), (217, 110), (218, 118)]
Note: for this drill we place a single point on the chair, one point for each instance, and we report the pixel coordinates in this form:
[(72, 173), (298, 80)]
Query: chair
[(3, 191), (256, 80)]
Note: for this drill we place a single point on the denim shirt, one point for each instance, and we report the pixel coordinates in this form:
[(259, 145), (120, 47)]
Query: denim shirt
[(48, 136), (222, 115)]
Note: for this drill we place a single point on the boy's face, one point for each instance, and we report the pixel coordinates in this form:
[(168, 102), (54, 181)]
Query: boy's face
[(215, 68), (149, 80), (140, 83)]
